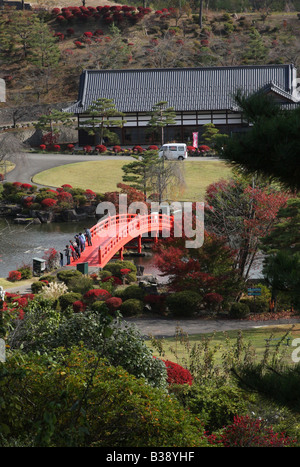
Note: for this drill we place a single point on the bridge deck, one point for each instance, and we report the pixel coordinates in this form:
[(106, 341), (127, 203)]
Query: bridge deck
[(110, 235)]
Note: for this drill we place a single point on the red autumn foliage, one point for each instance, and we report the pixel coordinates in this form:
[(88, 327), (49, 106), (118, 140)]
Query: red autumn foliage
[(177, 374), (48, 203), (79, 306), (248, 432), (14, 276), (96, 294), (113, 303)]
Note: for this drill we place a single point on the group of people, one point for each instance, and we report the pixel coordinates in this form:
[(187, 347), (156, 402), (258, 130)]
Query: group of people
[(77, 246)]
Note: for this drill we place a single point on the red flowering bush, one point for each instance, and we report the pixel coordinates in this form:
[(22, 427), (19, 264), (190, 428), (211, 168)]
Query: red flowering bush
[(66, 185), (138, 149), (48, 203), (177, 374), (152, 148), (78, 44), (90, 194), (79, 306), (113, 303), (70, 31), (26, 186), (204, 148), (88, 148), (14, 276), (88, 34), (117, 149), (98, 32), (27, 202), (96, 294), (70, 147), (64, 197), (43, 147), (248, 432), (101, 148), (115, 280), (56, 147)]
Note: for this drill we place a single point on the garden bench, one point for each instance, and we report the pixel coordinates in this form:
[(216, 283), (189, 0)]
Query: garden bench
[(287, 339)]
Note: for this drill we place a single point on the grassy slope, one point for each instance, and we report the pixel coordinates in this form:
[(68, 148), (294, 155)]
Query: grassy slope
[(280, 34), (103, 176)]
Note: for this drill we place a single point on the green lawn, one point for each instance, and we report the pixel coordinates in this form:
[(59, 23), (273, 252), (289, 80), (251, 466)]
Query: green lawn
[(178, 349), (103, 176)]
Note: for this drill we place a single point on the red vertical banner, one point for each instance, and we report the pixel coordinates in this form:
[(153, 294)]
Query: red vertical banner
[(195, 140)]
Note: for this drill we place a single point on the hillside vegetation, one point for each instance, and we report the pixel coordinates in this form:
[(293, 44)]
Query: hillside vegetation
[(44, 51)]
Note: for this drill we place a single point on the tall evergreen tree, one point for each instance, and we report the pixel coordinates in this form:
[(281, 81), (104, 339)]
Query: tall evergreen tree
[(138, 173), (102, 115), (161, 116)]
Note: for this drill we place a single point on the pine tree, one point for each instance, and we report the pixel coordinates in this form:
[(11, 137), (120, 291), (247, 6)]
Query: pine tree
[(102, 115), (138, 173), (161, 116)]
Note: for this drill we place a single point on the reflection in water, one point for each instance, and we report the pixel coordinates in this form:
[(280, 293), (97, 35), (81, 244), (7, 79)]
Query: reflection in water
[(20, 244)]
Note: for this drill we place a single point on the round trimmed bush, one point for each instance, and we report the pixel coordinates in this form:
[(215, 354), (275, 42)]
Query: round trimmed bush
[(183, 303), (132, 307), (132, 291), (239, 311), (68, 299), (99, 306), (36, 287), (67, 276)]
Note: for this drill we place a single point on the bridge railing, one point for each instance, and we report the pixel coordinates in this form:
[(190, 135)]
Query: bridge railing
[(116, 231)]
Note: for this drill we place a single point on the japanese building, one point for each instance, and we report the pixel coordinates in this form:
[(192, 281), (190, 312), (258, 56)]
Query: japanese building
[(198, 96)]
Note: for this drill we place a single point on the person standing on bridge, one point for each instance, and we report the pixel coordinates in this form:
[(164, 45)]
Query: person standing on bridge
[(82, 240), (67, 254), (88, 236)]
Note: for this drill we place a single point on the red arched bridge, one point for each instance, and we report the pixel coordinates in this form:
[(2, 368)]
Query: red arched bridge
[(110, 235)]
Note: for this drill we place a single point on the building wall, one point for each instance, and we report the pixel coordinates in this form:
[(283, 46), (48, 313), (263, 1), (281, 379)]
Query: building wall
[(135, 130)]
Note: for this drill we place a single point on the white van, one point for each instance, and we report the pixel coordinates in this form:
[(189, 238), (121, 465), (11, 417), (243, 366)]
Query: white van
[(173, 151)]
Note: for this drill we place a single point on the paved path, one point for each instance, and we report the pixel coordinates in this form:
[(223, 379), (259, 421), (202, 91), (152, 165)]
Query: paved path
[(168, 327)]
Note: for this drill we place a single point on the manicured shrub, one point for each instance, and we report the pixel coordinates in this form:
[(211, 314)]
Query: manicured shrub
[(68, 299), (113, 303), (132, 291), (14, 276), (259, 305), (96, 294), (183, 303), (48, 203), (37, 287), (239, 311), (131, 307), (116, 267), (67, 276), (101, 148), (26, 271), (99, 306)]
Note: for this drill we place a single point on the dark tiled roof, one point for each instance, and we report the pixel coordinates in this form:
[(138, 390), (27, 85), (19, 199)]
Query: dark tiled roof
[(185, 89)]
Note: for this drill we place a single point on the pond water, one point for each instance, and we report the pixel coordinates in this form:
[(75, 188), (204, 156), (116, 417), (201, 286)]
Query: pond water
[(19, 244)]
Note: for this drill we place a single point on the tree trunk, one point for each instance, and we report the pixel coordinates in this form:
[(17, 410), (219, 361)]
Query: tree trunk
[(201, 13)]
